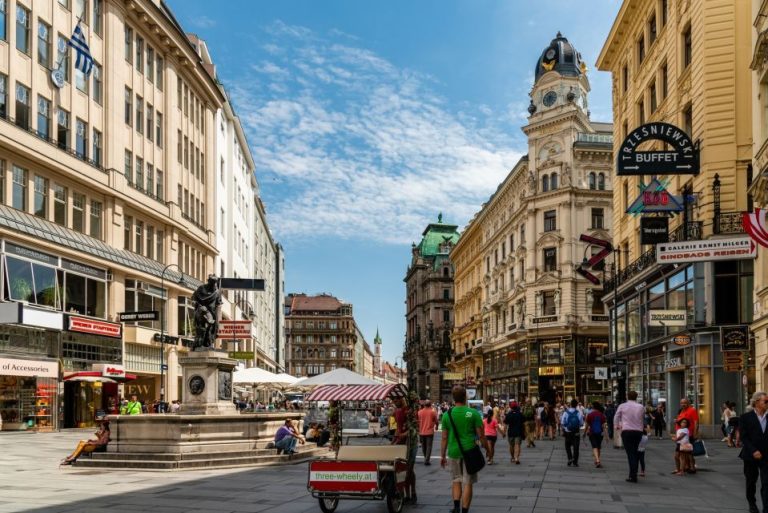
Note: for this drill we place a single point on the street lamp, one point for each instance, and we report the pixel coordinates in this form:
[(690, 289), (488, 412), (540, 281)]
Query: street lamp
[(162, 324)]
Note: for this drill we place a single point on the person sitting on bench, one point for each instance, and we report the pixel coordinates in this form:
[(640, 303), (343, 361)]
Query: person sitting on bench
[(287, 437), (89, 446)]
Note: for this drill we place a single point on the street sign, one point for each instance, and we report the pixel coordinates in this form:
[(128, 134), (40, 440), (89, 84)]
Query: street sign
[(234, 329), (164, 366), (737, 248), (601, 372), (667, 317), (167, 339), (733, 361), (149, 315), (654, 230), (241, 283), (681, 159)]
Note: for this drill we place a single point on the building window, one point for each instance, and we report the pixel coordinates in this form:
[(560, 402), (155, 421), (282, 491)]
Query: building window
[(664, 84), (553, 181), (81, 138), (139, 174), (143, 296), (59, 204), (97, 147), (186, 152), (640, 112), (688, 119), (663, 12), (22, 29), (79, 11), (549, 303), (139, 114), (127, 230), (687, 48), (22, 106), (601, 182), (43, 118), (3, 95), (640, 50), (550, 259), (150, 64), (138, 245), (624, 78), (62, 55), (44, 44), (95, 230), (78, 212), (128, 44), (139, 54), (62, 128), (545, 183), (652, 29), (550, 221), (160, 185), (160, 69), (150, 122), (159, 129), (159, 241), (128, 106), (97, 85), (19, 192), (3, 20), (592, 183), (652, 91), (128, 166), (97, 23), (41, 197), (150, 179), (626, 194), (597, 218), (81, 81)]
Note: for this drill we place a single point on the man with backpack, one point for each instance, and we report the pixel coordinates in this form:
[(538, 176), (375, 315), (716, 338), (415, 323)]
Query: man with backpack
[(572, 421), (595, 422), (529, 415)]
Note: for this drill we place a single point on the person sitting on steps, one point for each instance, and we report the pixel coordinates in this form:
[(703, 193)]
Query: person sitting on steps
[(91, 445), (287, 437)]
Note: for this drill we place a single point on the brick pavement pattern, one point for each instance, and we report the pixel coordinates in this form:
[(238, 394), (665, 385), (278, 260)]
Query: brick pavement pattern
[(32, 481)]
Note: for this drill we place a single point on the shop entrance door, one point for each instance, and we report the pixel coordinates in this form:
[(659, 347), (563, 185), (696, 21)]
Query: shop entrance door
[(676, 392), (550, 388)]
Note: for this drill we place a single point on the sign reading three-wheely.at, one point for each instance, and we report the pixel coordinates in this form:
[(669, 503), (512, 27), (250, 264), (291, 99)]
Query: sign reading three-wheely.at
[(682, 158)]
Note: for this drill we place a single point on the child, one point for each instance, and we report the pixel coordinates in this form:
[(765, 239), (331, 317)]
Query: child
[(641, 454), (682, 452)]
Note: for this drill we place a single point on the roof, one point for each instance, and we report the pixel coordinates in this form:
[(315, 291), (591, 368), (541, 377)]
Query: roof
[(436, 234), (560, 56), (322, 302), (357, 392)]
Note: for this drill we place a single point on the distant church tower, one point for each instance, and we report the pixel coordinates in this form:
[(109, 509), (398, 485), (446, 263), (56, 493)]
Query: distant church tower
[(377, 353)]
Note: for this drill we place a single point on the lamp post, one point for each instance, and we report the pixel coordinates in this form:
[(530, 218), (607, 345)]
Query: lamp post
[(524, 327), (162, 325)]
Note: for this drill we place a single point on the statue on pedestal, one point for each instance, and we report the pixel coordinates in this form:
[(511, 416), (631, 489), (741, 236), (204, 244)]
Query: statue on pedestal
[(207, 301)]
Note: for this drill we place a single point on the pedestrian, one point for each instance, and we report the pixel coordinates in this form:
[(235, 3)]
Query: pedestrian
[(551, 421), (461, 426), (689, 413), (540, 420), (529, 414), (754, 449), (392, 425), (629, 420), (659, 422), (641, 454), (132, 407), (595, 422), (572, 421), (559, 409), (683, 449), (90, 445), (427, 426), (286, 438), (515, 423), (404, 436), (733, 427), (491, 428), (610, 411)]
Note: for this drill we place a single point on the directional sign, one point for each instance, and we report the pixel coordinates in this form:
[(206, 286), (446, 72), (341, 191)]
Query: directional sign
[(681, 159), (241, 283), (149, 315)]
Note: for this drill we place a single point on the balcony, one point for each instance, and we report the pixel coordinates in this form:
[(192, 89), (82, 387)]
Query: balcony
[(600, 139), (727, 223)]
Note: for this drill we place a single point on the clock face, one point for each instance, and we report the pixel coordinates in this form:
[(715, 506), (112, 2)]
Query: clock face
[(550, 54), (550, 98)]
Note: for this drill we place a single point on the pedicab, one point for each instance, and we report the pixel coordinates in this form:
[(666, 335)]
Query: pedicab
[(367, 472)]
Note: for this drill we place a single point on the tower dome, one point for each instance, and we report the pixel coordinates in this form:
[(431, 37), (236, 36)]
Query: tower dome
[(560, 56)]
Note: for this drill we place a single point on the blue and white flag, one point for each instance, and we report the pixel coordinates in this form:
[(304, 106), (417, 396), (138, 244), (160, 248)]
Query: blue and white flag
[(84, 61)]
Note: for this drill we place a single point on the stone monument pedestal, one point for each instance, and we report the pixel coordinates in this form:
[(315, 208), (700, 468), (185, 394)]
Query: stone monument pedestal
[(207, 385)]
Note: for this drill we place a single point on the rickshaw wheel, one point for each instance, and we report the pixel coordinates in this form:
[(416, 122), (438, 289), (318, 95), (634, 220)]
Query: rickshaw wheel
[(328, 505), (395, 501)]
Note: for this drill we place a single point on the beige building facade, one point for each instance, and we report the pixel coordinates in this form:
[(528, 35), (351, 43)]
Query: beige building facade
[(527, 324), (687, 64), (106, 194)]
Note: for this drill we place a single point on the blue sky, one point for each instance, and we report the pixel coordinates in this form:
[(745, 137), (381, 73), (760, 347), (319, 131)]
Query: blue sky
[(367, 119)]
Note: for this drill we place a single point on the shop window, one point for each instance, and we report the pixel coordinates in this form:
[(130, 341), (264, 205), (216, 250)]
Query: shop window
[(551, 352), (22, 106), (549, 303), (33, 283)]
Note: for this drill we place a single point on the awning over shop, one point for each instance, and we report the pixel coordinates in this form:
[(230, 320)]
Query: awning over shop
[(357, 392), (94, 376)]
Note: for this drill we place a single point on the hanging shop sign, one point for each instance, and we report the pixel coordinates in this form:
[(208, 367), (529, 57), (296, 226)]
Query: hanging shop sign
[(601, 372), (733, 361), (109, 371), (681, 159), (550, 371), (94, 327), (654, 230), (681, 340), (734, 338), (740, 248), (453, 376), (667, 317), (655, 198), (234, 329), (756, 225), (28, 368)]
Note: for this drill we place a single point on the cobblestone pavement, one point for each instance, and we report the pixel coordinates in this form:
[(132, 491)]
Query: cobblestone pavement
[(30, 480)]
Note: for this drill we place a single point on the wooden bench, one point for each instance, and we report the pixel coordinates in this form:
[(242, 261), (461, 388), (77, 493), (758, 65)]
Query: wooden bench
[(379, 453)]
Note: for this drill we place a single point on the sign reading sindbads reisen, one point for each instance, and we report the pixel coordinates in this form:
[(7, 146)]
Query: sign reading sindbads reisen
[(681, 159)]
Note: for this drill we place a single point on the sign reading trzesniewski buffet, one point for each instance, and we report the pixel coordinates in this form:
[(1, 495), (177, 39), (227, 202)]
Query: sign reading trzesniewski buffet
[(740, 248), (681, 159)]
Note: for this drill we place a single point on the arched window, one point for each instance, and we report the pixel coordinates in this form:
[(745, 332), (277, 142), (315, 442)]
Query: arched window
[(298, 352), (601, 182), (592, 181), (553, 181), (544, 183)]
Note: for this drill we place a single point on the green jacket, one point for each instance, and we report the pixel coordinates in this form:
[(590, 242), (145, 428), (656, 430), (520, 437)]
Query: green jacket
[(132, 408)]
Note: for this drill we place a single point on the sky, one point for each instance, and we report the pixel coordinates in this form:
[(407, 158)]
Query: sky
[(368, 119)]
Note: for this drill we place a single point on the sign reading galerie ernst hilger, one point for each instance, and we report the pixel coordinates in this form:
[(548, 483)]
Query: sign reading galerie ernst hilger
[(740, 248)]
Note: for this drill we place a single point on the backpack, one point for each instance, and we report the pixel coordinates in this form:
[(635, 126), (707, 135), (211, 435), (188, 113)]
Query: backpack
[(528, 412), (572, 423), (597, 425)]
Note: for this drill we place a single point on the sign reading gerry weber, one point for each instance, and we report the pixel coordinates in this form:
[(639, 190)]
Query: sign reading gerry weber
[(681, 159)]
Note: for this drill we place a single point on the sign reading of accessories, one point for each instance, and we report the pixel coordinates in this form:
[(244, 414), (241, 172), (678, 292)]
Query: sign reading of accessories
[(681, 159)]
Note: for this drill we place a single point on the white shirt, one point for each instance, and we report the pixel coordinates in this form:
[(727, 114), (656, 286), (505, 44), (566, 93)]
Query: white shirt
[(762, 420)]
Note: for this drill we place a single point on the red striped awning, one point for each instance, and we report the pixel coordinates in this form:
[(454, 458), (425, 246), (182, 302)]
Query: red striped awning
[(357, 392)]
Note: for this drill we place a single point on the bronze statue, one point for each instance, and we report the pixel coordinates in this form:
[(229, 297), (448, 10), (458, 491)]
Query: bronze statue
[(207, 301)]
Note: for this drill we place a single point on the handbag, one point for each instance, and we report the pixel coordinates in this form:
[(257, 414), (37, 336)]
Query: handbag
[(698, 448), (474, 461), (686, 447)]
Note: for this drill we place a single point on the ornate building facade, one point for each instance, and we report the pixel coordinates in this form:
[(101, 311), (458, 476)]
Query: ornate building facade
[(687, 64), (527, 324), (429, 310)]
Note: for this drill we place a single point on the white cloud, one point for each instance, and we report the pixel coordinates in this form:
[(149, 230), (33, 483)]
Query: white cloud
[(203, 22), (359, 147)]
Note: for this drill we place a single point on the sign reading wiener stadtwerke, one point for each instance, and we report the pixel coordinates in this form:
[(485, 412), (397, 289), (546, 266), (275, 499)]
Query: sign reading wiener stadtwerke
[(681, 158)]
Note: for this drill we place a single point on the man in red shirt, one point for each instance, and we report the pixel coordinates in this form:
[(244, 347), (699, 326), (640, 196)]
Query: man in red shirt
[(427, 426), (690, 414), (402, 437)]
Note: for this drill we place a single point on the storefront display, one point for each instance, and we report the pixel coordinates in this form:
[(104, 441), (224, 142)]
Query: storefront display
[(28, 398)]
